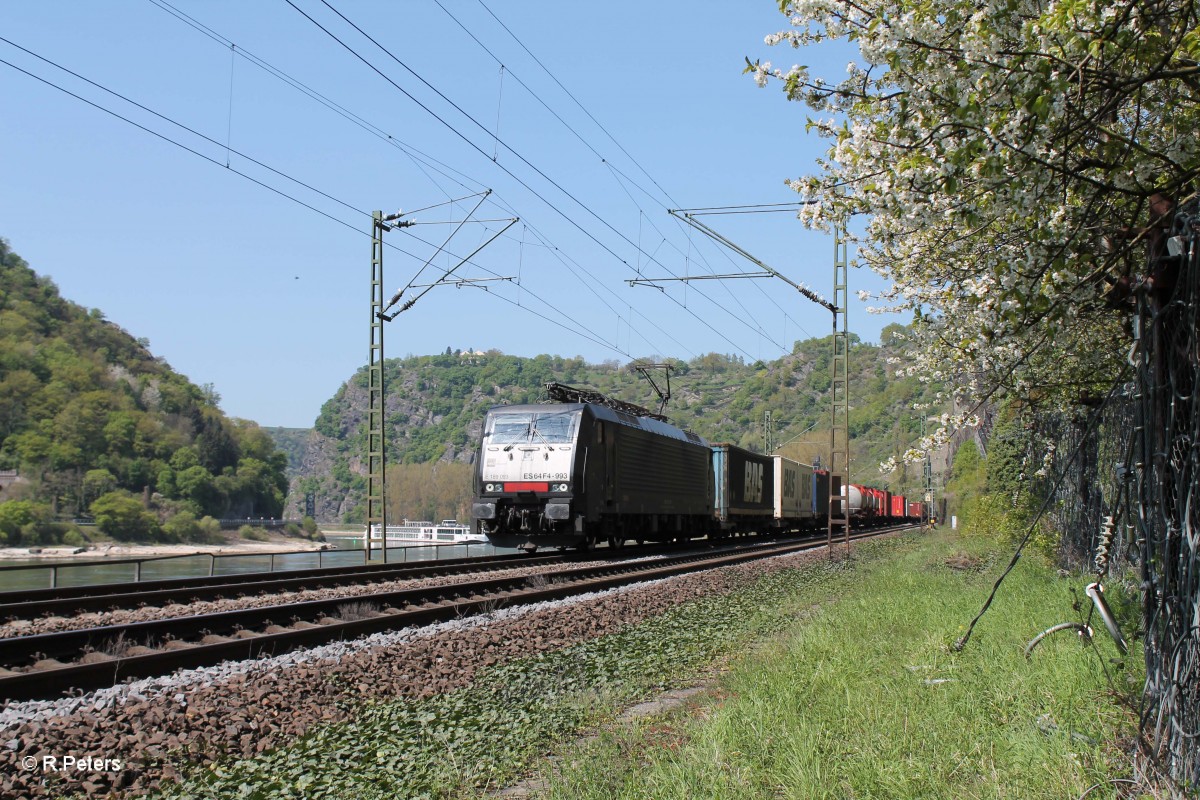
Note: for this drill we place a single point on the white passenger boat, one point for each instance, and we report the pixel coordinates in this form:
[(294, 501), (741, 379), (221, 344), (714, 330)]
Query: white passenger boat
[(448, 531)]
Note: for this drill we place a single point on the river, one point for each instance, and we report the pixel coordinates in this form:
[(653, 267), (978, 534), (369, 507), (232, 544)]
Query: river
[(83, 572)]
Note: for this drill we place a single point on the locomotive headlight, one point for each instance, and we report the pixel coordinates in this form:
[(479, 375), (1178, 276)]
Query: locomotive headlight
[(491, 487), (560, 487)]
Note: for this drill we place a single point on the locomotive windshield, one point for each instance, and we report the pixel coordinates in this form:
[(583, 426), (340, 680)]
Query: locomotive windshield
[(525, 427)]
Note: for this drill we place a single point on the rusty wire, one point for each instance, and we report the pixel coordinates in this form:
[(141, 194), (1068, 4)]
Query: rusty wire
[(1165, 500), (1124, 494)]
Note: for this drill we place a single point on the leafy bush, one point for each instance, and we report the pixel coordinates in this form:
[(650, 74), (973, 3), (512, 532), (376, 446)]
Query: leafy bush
[(74, 538), (16, 515), (184, 527), (210, 529), (122, 516), (252, 533), (994, 516)]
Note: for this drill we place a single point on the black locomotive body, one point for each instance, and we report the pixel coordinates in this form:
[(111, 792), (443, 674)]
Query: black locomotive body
[(575, 474)]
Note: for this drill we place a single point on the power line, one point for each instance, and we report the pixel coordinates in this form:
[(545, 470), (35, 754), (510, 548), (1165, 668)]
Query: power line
[(209, 139), (421, 159), (478, 149), (374, 130), (358, 120), (535, 95), (612, 168), (576, 101), (191, 150), (589, 335), (609, 164)]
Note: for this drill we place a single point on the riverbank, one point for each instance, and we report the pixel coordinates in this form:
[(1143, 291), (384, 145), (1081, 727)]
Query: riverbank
[(231, 546)]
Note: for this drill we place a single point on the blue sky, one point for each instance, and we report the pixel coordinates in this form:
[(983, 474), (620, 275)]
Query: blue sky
[(634, 108)]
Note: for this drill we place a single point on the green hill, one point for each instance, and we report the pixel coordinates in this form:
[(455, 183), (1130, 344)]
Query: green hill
[(435, 406), (87, 412)]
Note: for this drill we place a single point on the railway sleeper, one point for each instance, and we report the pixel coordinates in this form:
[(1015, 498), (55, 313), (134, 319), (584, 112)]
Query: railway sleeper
[(96, 658)]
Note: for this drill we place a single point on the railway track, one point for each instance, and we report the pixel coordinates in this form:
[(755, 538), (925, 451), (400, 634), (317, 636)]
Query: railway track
[(106, 597), (46, 665), (96, 598)]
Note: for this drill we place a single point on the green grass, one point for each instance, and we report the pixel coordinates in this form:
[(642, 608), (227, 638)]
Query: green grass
[(830, 693), (865, 698)]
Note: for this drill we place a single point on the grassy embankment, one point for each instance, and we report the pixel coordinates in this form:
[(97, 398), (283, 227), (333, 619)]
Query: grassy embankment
[(839, 681), (864, 697)]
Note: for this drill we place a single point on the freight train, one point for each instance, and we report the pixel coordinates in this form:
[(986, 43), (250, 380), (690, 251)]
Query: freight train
[(577, 474)]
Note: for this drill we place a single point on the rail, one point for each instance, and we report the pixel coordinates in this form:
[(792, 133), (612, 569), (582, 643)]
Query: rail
[(290, 559)]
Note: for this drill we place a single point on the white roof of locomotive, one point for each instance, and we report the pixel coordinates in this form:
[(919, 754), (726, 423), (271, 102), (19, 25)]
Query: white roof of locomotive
[(608, 414)]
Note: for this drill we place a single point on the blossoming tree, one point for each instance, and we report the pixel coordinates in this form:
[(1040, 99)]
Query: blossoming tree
[(1002, 154)]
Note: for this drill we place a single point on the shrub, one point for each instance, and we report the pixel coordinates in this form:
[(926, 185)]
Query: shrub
[(210, 529), (17, 515), (48, 533), (74, 538), (252, 533), (121, 515), (183, 527), (994, 516)]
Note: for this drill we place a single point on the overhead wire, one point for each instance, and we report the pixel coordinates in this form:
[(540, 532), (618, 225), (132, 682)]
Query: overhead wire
[(507, 147), (325, 101), (168, 139), (732, 295), (612, 167), (589, 335), (583, 276), (576, 101), (422, 162), (164, 118)]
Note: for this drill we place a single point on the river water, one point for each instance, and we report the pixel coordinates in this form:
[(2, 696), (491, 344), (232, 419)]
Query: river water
[(82, 572)]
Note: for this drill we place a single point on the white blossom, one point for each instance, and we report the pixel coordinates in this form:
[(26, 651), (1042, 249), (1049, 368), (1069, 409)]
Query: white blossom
[(973, 147)]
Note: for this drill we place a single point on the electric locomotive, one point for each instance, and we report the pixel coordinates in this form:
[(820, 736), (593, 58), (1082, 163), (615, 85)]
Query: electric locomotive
[(591, 469), (575, 474)]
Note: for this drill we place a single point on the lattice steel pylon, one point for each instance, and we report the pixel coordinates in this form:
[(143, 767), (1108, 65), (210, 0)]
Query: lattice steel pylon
[(839, 432), (376, 463)]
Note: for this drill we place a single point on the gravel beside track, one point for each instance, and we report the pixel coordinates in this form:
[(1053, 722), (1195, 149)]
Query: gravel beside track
[(159, 726)]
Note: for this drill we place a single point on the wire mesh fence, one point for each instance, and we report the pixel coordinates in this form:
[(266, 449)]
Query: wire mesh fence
[(1165, 500), (1126, 501)]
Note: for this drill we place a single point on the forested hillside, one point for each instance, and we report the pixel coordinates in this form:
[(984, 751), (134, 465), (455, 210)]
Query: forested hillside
[(435, 407), (94, 424)]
